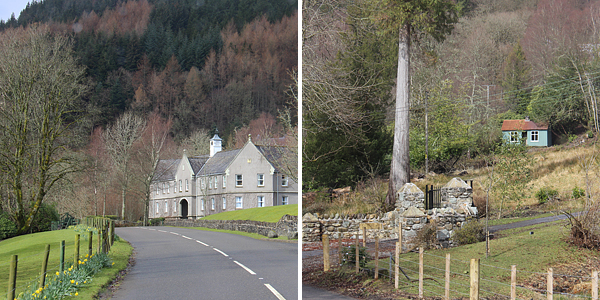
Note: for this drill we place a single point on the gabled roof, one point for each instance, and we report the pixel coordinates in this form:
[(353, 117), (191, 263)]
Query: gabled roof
[(521, 125), (198, 162), (273, 154), (166, 169), (219, 162)]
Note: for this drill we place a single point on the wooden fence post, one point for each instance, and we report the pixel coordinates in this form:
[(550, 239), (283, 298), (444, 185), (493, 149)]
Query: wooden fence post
[(474, 272), (326, 262), (111, 236), (44, 266), (364, 230), (90, 244), (340, 242), (400, 234), (447, 284), (12, 278), (357, 251), (513, 282), (62, 257), (396, 266), (76, 254), (550, 285), (421, 272), (377, 257), (594, 285), (99, 241)]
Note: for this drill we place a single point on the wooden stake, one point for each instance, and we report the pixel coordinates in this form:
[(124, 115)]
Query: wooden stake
[(357, 251), (44, 267), (400, 234), (340, 241), (513, 282), (594, 285), (12, 278), (396, 266), (326, 263), (447, 285), (376, 257), (76, 255), (474, 272), (364, 236), (421, 272), (550, 284), (62, 257), (90, 245)]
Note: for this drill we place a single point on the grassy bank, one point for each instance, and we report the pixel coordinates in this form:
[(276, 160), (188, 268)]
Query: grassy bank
[(270, 214), (30, 250)]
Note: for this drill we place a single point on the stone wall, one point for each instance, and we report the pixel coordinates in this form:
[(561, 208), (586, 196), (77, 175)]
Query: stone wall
[(286, 226), (410, 213)]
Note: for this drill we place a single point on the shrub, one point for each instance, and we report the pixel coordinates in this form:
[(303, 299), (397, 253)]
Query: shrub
[(546, 194), (44, 217), (577, 192), (590, 134), (427, 236), (349, 256), (8, 228), (156, 221), (585, 228), (470, 232)]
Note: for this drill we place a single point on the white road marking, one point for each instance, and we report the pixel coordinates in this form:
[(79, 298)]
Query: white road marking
[(152, 229), (185, 237), (162, 231), (175, 233), (245, 268), (221, 252), (199, 242), (274, 291)]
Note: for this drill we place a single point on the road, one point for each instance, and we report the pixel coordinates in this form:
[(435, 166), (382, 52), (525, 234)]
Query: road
[(181, 263)]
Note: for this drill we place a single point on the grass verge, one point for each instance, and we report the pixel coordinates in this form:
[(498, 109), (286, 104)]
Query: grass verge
[(251, 235), (30, 250), (270, 214)]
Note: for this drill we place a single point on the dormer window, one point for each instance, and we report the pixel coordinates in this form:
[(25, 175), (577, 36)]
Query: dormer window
[(284, 180)]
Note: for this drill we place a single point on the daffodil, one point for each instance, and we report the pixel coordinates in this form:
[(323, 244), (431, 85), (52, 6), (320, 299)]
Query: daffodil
[(76, 293), (72, 281)]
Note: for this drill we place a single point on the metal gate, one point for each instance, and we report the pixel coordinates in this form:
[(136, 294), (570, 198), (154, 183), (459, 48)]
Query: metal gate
[(433, 197)]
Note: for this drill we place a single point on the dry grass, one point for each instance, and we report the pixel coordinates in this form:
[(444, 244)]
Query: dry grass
[(559, 168)]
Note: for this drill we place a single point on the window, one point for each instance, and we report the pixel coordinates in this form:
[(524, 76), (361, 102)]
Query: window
[(284, 200), (201, 204), (224, 181), (175, 206), (180, 186), (168, 187), (261, 201), (238, 179), (210, 179), (224, 204), (157, 208), (238, 202), (514, 136), (164, 188), (212, 203), (535, 136), (202, 183), (284, 180), (187, 185), (166, 206), (157, 188), (261, 179)]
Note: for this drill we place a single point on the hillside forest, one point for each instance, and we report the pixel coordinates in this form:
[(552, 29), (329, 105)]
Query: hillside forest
[(149, 78), (504, 59)]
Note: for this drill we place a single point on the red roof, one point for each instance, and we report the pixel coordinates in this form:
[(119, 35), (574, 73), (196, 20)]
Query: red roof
[(521, 125)]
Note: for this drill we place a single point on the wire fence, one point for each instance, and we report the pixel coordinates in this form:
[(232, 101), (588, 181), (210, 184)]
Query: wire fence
[(430, 275), (104, 229)]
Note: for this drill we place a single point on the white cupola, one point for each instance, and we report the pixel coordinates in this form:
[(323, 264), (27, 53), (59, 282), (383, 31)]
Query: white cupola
[(215, 144)]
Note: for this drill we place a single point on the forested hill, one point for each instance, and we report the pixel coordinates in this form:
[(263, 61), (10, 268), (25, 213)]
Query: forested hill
[(205, 63)]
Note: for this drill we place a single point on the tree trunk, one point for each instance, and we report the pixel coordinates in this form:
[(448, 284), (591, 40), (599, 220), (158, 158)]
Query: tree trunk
[(400, 168)]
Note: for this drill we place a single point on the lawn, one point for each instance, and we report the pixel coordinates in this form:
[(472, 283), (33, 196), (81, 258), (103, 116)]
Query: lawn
[(270, 214), (532, 249), (30, 250)]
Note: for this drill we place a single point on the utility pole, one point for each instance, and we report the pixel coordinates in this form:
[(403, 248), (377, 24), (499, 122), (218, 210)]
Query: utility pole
[(488, 92)]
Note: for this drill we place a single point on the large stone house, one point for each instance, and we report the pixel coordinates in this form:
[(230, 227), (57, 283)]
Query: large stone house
[(194, 187)]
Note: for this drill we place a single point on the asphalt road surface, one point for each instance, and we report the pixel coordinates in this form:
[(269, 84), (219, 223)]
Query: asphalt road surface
[(180, 263)]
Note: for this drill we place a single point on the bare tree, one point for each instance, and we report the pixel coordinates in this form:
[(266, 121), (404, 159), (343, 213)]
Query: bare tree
[(151, 145), (119, 141), (39, 83)]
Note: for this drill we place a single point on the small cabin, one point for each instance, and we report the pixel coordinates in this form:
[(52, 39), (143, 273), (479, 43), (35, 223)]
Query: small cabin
[(515, 131)]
